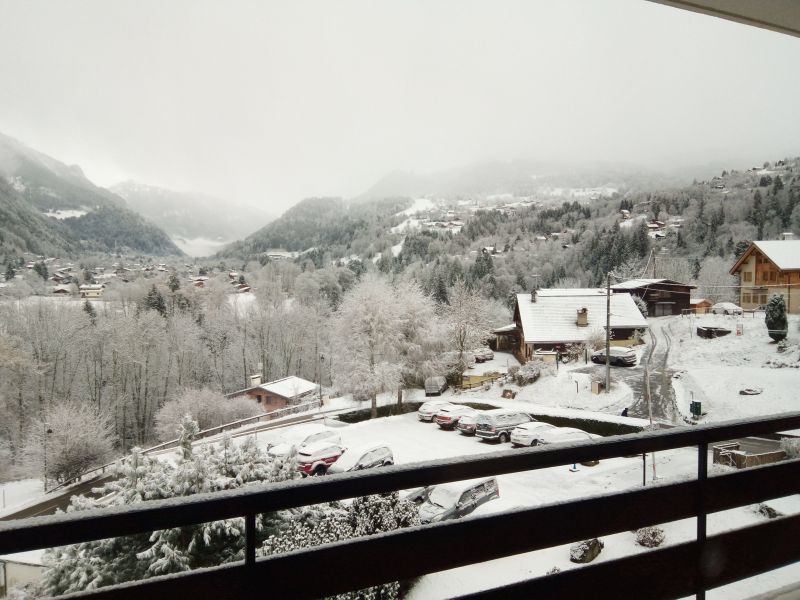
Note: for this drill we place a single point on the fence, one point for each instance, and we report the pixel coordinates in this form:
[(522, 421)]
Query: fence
[(674, 571)]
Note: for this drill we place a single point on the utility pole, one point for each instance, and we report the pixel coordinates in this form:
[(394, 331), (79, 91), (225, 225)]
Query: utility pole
[(608, 332)]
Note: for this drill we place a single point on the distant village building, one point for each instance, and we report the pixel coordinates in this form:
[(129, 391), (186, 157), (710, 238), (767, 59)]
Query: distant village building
[(91, 290), (769, 268), (547, 320), (700, 306), (279, 393), (662, 296)]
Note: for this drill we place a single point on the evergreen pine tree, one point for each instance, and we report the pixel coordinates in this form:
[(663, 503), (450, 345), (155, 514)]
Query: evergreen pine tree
[(89, 310), (10, 273), (775, 318), (173, 283), (155, 301)]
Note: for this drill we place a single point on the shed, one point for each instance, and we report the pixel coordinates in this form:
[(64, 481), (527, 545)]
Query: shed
[(700, 306)]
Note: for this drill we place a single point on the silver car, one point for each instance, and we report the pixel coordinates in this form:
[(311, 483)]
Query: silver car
[(355, 459)]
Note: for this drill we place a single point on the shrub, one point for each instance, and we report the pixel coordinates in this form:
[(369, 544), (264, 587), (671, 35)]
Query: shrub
[(791, 446), (650, 537), (206, 407), (775, 318), (529, 372)]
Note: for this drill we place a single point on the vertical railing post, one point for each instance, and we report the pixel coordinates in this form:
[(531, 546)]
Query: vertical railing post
[(702, 476), (249, 539)]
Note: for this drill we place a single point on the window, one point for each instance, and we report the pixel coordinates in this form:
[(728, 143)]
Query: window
[(748, 276), (762, 299), (773, 276), (745, 298)]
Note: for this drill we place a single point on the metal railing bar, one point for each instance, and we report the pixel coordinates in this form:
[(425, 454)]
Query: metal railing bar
[(667, 572), (26, 534), (385, 557), (702, 480)]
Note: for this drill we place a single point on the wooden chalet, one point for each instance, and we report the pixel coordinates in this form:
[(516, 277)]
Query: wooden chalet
[(662, 296), (769, 268)]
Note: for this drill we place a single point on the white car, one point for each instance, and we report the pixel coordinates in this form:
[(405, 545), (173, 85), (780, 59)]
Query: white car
[(429, 409), (726, 308), (483, 354), (560, 435), (295, 440), (525, 434), (367, 457)]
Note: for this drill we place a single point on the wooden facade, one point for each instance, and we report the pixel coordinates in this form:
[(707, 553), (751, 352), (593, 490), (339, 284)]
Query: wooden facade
[(761, 278), (663, 296)]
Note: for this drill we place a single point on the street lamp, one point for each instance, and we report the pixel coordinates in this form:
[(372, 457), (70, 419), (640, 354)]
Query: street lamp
[(47, 431)]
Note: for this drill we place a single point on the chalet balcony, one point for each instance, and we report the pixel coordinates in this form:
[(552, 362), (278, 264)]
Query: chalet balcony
[(673, 571)]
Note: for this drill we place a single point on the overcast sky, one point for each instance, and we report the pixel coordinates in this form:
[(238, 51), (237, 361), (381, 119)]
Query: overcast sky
[(271, 102)]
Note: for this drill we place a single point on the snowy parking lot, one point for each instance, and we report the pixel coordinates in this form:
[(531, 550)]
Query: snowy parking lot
[(413, 441)]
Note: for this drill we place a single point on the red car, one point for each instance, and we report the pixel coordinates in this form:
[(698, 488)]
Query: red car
[(315, 458), (449, 416)]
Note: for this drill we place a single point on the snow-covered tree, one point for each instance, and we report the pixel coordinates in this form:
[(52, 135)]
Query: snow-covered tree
[(775, 318), (368, 335), (364, 516), (210, 468), (641, 305), (468, 323), (73, 438), (207, 408)]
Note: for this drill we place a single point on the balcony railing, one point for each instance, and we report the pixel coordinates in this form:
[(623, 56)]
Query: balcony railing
[(673, 571)]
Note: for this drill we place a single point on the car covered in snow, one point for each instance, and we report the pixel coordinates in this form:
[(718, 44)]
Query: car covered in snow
[(560, 435), (449, 416), (618, 355), (428, 410), (292, 441), (366, 457), (467, 424), (316, 458), (497, 424), (483, 354), (434, 386), (525, 434), (453, 500), (726, 308)]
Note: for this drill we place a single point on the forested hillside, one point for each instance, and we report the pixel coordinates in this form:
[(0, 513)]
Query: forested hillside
[(93, 218), (331, 223), (24, 229)]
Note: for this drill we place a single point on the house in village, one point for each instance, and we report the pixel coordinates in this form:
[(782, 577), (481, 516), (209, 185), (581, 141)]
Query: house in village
[(662, 296), (547, 320), (700, 306), (20, 569), (769, 268), (91, 290), (279, 393)]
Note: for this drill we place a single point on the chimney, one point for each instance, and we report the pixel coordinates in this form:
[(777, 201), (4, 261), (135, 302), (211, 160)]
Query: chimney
[(583, 317), (255, 380), (533, 295)]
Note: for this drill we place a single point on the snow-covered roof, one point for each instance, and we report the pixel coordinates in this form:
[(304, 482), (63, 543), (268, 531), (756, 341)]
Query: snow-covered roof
[(784, 253), (289, 387), (633, 284), (552, 318), (699, 300)]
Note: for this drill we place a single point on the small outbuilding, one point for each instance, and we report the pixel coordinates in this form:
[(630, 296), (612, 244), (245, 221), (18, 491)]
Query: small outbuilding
[(663, 296), (700, 306)]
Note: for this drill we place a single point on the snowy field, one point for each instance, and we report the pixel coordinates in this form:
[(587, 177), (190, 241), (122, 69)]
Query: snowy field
[(714, 371)]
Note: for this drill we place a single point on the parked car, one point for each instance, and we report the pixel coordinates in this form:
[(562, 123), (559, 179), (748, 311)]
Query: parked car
[(294, 441), (316, 458), (367, 457), (497, 424), (428, 410), (434, 386), (525, 434), (558, 435), (449, 416), (468, 423), (483, 354), (726, 308), (617, 356), (454, 500)]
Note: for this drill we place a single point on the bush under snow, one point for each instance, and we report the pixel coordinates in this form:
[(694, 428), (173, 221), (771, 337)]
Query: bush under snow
[(650, 537), (206, 407)]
